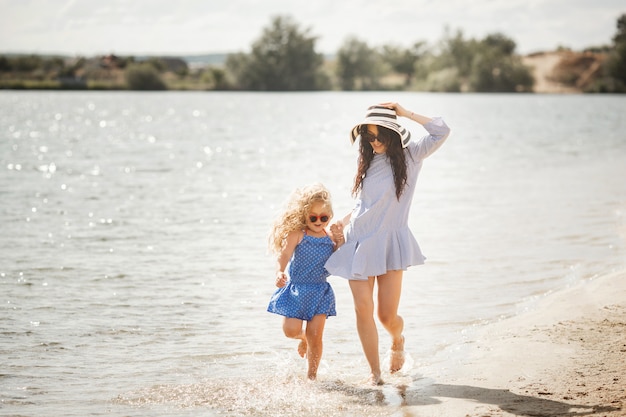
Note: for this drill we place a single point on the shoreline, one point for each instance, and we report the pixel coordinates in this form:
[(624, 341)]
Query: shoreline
[(567, 357)]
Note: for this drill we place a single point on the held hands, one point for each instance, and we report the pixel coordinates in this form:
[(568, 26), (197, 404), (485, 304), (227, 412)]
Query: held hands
[(281, 279), (336, 230)]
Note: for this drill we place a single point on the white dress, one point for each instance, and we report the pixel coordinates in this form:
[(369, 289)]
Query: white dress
[(378, 238)]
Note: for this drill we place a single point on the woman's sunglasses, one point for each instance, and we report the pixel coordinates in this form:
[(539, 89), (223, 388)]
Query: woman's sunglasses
[(323, 218), (370, 137)]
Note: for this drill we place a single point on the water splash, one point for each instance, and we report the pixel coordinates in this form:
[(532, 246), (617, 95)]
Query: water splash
[(270, 396)]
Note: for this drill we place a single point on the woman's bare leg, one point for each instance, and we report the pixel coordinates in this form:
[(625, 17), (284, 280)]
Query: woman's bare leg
[(314, 333), (389, 291), (293, 329), (363, 294)]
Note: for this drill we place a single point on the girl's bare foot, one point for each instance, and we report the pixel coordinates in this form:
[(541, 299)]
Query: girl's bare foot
[(302, 348), (397, 355)]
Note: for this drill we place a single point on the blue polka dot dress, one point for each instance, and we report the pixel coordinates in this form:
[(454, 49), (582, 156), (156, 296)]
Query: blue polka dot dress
[(307, 292)]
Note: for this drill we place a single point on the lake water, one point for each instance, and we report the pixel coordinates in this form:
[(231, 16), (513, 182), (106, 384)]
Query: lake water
[(134, 275)]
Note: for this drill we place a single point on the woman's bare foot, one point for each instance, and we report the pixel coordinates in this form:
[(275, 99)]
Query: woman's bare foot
[(375, 379), (302, 348), (397, 355)]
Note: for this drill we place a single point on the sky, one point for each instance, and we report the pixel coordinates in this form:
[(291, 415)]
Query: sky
[(194, 27)]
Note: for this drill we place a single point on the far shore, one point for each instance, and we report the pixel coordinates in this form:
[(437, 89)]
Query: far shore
[(542, 65)]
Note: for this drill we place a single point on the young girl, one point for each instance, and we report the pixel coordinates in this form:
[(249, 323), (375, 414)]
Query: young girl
[(300, 240)]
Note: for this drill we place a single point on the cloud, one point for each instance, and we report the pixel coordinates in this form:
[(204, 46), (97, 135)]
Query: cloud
[(200, 26)]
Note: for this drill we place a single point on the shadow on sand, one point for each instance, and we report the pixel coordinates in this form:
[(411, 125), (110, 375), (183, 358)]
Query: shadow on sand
[(431, 394)]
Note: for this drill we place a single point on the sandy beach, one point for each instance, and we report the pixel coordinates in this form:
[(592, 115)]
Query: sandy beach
[(565, 358)]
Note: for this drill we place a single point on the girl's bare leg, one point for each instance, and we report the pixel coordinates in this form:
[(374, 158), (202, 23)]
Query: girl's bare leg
[(389, 290), (314, 333), (293, 329), (363, 294)]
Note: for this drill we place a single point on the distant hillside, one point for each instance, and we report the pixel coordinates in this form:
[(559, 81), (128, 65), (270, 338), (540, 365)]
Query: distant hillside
[(196, 61), (200, 60), (564, 71)]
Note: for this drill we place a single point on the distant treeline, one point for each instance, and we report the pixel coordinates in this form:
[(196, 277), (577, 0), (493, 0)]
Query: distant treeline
[(284, 58)]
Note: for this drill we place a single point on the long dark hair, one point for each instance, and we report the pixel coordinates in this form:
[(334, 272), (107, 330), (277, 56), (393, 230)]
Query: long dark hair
[(395, 155)]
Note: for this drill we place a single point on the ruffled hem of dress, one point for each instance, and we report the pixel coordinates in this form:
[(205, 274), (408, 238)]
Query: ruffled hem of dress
[(281, 312), (284, 303), (304, 318), (379, 253)]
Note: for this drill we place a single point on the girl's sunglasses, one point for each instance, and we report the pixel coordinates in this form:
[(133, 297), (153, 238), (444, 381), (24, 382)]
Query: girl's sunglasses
[(323, 218)]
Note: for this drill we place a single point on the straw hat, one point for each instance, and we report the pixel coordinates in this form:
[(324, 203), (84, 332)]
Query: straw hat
[(385, 117)]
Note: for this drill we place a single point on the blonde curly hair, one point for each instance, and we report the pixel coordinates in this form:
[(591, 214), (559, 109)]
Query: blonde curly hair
[(296, 209)]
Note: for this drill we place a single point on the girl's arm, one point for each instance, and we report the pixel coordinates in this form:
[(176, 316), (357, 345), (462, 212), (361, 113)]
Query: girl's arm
[(285, 255)]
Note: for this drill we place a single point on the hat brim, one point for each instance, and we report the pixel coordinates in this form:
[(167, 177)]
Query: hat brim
[(404, 134)]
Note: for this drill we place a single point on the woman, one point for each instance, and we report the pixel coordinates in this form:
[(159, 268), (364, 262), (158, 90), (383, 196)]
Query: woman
[(379, 245)]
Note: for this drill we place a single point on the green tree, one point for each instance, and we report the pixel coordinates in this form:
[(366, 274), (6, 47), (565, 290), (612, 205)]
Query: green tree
[(495, 67), (282, 59), (240, 67), (5, 64), (493, 73), (457, 52), (157, 64), (358, 66), (216, 78), (488, 65), (616, 63), (403, 60), (27, 63), (448, 70), (143, 77), (499, 44), (53, 65)]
